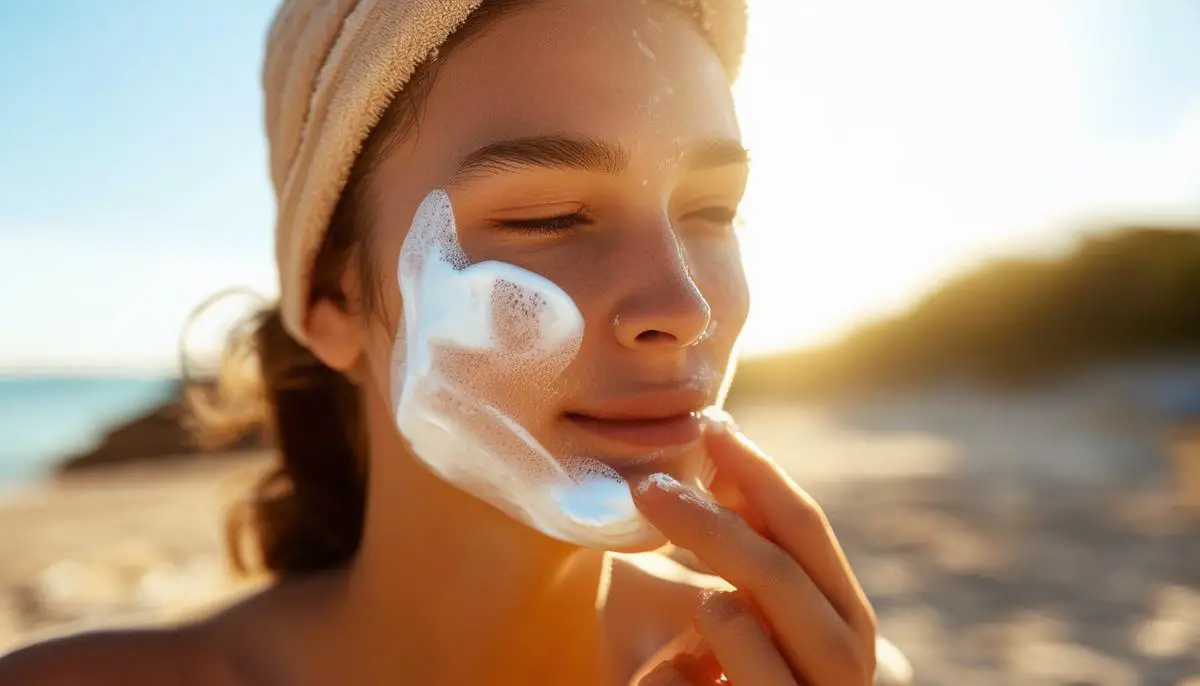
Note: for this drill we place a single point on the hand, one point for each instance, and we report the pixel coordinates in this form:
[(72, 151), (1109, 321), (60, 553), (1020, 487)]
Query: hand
[(798, 615)]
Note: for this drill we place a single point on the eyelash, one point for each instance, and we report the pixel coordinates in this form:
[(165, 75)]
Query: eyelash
[(716, 214), (556, 224), (568, 222)]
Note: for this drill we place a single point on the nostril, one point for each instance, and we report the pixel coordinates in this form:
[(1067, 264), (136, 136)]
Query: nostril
[(655, 336)]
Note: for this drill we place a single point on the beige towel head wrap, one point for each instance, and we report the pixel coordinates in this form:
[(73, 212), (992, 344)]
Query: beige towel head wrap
[(332, 67)]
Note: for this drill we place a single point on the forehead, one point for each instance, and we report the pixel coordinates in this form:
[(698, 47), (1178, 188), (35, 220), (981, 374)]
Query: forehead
[(635, 72)]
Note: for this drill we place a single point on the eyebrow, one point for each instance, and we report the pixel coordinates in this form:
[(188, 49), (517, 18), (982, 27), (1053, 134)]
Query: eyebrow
[(573, 153), (718, 152)]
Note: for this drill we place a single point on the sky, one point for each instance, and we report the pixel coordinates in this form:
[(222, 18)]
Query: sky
[(893, 144)]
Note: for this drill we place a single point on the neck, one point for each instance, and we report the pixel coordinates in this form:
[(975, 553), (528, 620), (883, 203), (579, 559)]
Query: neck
[(451, 583)]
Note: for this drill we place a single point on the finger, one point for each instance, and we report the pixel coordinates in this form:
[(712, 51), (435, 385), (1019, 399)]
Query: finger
[(815, 639), (728, 494), (792, 519), (684, 669), (740, 643)]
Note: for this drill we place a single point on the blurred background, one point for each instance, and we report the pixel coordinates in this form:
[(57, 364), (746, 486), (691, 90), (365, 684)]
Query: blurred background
[(973, 239)]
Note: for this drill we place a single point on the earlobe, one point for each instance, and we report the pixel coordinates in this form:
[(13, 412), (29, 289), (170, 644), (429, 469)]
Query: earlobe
[(335, 335)]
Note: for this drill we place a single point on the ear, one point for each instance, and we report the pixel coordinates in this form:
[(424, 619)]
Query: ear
[(336, 330)]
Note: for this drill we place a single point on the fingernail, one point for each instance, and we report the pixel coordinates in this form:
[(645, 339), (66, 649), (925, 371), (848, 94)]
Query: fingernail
[(663, 482), (719, 604), (669, 484), (717, 420)]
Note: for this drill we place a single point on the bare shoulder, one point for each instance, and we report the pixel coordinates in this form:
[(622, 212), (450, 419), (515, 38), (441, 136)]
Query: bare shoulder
[(247, 639), (161, 656)]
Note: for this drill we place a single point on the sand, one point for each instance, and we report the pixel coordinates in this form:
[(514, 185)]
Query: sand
[(121, 545), (1032, 539)]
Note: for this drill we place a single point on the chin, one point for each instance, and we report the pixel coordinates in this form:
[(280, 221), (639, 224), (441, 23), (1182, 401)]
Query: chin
[(685, 461), (688, 465)]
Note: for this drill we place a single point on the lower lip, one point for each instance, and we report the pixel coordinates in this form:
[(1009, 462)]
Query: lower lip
[(670, 432)]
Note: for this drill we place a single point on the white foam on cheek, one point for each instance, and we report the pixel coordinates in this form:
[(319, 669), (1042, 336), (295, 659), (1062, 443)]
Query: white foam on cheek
[(473, 336)]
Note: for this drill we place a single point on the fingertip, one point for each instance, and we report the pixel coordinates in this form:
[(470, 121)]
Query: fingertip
[(717, 420), (654, 494), (665, 674), (721, 431), (719, 603), (707, 663), (656, 485), (698, 661), (734, 454)]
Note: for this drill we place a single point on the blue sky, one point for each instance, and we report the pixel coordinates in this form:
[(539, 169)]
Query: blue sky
[(137, 117), (134, 177)]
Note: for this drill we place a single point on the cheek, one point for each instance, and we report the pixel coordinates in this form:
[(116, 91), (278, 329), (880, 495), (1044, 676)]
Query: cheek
[(382, 324), (716, 268)]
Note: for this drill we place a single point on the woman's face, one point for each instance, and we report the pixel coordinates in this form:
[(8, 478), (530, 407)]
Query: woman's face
[(592, 142)]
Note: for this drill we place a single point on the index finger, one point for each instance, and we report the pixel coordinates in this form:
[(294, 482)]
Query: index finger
[(789, 517)]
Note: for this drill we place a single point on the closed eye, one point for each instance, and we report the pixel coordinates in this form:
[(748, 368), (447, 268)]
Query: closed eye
[(716, 214), (552, 224)]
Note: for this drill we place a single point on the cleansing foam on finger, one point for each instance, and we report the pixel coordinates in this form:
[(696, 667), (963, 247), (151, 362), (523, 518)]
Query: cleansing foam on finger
[(474, 343)]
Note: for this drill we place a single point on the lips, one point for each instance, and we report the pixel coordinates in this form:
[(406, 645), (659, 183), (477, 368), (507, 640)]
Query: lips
[(655, 420)]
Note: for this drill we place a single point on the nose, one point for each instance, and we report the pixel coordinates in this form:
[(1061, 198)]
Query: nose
[(663, 309)]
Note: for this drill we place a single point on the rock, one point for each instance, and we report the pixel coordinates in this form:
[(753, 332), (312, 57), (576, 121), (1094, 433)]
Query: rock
[(162, 433)]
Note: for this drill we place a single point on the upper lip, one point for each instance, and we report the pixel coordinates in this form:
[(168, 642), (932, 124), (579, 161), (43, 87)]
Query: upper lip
[(647, 405)]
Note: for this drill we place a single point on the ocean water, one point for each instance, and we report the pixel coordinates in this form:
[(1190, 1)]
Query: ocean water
[(43, 419)]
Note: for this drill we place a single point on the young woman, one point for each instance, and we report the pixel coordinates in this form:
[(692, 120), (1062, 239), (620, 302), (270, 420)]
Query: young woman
[(592, 142)]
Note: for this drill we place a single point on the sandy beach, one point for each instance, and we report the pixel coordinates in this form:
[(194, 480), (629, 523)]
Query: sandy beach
[(138, 543), (1004, 539)]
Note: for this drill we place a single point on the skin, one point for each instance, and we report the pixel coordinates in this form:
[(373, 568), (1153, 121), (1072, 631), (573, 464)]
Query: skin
[(445, 589)]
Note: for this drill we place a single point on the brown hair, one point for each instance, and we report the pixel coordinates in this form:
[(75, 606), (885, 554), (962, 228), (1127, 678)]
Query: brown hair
[(307, 513)]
